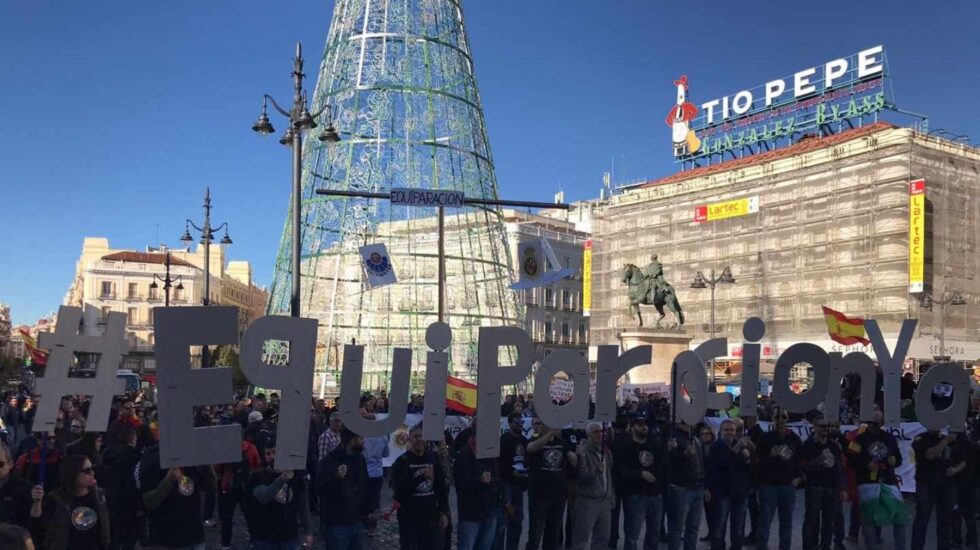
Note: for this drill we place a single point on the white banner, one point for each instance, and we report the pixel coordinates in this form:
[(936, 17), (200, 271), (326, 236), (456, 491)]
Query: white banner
[(904, 434), (377, 265)]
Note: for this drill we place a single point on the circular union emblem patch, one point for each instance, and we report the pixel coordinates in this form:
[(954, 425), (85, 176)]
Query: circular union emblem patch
[(186, 486), (83, 518), (646, 459)]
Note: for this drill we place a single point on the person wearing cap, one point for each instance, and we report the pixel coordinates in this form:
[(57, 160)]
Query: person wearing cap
[(342, 487), (640, 469)]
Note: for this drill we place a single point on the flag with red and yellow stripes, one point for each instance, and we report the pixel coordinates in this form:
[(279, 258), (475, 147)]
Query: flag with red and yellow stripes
[(843, 329), (460, 395), (38, 356)]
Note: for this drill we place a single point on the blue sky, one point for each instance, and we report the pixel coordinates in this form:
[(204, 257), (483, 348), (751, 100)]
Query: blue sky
[(117, 114)]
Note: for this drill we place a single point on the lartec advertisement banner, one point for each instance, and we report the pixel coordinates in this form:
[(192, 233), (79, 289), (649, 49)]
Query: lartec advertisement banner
[(727, 209), (917, 235), (587, 279)]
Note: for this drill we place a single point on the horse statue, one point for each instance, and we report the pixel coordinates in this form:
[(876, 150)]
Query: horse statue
[(643, 291)]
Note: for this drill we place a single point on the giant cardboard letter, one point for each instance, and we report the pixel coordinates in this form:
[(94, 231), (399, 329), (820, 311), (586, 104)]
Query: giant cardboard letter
[(492, 376), (438, 337), (953, 416), (863, 366), (292, 379), (891, 366), (575, 412), (812, 355), (350, 393), (102, 387), (610, 368), (689, 372), (180, 389), (753, 330)]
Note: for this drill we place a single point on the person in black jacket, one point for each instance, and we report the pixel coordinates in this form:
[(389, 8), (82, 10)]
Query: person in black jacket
[(934, 489), (779, 477), (874, 455), (172, 500), (420, 489), (119, 462), (513, 473), (824, 493), (685, 493), (729, 480), (478, 498), (277, 510), (15, 493), (640, 468), (342, 484), (547, 490), (964, 451)]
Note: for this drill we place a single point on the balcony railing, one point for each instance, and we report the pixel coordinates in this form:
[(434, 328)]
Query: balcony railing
[(549, 339), (134, 298), (107, 295)]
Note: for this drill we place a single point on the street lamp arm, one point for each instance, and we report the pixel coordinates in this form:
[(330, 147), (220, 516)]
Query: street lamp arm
[(325, 107), (220, 227), (194, 225), (276, 106)]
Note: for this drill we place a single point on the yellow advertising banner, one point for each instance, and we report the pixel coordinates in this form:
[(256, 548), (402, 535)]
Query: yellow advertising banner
[(727, 209), (587, 279), (917, 235)]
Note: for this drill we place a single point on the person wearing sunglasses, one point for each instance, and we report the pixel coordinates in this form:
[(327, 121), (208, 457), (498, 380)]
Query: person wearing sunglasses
[(76, 516), (824, 486), (779, 478)]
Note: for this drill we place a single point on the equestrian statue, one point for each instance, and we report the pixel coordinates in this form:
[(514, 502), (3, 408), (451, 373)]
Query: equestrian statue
[(647, 286)]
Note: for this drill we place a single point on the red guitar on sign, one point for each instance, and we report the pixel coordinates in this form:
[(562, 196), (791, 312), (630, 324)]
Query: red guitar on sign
[(679, 119)]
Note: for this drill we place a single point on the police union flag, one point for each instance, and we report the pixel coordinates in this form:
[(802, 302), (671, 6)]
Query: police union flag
[(377, 265)]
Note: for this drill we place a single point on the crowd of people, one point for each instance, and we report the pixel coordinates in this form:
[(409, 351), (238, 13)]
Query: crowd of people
[(574, 488)]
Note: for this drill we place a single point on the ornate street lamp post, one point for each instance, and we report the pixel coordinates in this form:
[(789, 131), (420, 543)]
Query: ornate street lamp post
[(167, 281), (300, 121), (710, 282), (944, 301), (207, 235)]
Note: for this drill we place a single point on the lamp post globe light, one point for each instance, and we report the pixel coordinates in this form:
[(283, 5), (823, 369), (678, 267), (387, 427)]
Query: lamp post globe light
[(207, 236), (944, 301), (699, 282), (167, 281), (300, 121)]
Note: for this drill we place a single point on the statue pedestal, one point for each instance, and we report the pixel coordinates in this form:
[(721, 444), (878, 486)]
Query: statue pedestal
[(665, 344)]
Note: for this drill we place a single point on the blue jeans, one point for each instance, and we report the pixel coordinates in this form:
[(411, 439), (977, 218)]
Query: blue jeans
[(772, 497), (476, 535), (640, 509), (275, 545), (684, 507), (343, 536), (734, 507), (508, 535)]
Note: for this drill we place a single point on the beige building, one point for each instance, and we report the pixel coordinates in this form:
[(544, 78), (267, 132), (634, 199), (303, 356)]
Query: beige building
[(553, 312), (824, 222), (6, 332), (109, 280)]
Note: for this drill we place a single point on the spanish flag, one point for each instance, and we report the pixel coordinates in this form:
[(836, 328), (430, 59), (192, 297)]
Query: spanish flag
[(460, 396), (844, 330), (38, 356)]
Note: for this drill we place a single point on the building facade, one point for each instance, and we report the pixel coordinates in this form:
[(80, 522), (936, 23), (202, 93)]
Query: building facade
[(126, 281), (553, 312), (824, 222)]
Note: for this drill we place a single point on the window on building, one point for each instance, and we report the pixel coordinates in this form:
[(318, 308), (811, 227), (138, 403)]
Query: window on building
[(548, 326), (132, 315), (105, 313), (149, 316), (132, 290), (566, 332), (106, 289), (582, 336), (150, 339), (549, 297), (566, 298)]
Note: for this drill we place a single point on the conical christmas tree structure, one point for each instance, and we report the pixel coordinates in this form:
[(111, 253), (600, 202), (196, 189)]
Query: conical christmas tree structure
[(398, 78)]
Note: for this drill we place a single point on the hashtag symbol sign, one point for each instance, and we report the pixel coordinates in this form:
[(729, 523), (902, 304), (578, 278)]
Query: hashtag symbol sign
[(63, 344)]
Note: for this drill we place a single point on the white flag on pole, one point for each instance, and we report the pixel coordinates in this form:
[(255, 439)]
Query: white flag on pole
[(377, 265)]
